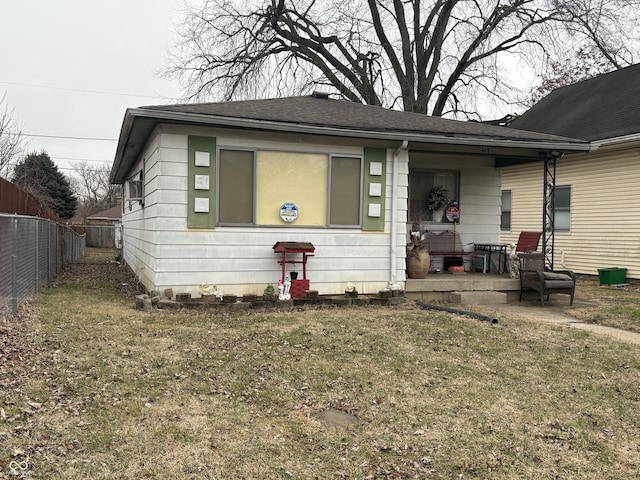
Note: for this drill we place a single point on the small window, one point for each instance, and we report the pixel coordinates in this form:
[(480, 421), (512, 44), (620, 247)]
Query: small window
[(562, 206), (235, 191), (344, 194), (135, 190), (505, 211)]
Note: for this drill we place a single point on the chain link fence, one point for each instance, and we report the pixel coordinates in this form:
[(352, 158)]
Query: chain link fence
[(32, 251)]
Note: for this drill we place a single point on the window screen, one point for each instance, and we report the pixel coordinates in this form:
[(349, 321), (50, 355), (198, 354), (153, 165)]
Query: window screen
[(505, 216), (562, 205), (344, 197), (235, 200)]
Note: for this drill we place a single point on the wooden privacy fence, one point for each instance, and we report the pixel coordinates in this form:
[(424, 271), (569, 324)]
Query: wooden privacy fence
[(101, 236), (14, 200)]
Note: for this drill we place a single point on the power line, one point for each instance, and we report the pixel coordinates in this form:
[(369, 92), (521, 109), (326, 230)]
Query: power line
[(79, 90), (58, 159), (22, 134)]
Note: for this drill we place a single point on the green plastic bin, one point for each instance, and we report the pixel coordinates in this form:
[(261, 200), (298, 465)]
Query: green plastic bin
[(612, 276)]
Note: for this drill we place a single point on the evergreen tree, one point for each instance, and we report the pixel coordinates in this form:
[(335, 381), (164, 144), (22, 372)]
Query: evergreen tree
[(38, 174)]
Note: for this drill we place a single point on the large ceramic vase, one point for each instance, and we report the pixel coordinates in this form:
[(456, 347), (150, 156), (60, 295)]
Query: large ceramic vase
[(418, 264)]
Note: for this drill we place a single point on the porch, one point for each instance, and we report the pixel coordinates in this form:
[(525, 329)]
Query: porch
[(464, 288)]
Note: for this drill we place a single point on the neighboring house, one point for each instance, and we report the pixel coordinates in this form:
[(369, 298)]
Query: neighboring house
[(111, 216), (103, 228), (597, 205), (211, 188)]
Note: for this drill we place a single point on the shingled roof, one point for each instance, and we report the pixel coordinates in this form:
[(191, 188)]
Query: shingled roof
[(113, 213), (603, 107), (319, 115), (320, 111)]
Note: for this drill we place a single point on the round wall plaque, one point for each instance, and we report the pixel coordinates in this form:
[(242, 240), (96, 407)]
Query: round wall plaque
[(288, 212)]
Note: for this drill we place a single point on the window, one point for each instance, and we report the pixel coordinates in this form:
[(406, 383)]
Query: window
[(344, 191), (253, 185), (505, 213), (235, 191), (291, 177), (562, 206), (420, 184), (135, 189)]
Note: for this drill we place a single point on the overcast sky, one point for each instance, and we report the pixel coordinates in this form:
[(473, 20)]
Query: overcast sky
[(70, 68)]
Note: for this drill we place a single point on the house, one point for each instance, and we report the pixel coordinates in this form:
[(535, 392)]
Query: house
[(103, 228), (109, 217), (597, 206), (210, 189)]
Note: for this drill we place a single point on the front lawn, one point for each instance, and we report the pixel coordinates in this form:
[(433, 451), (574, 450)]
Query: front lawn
[(103, 391)]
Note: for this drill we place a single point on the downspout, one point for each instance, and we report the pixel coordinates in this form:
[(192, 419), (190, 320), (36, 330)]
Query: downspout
[(394, 216)]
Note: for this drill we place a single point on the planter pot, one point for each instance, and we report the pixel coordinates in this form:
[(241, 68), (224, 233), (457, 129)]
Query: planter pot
[(418, 264), (612, 276)]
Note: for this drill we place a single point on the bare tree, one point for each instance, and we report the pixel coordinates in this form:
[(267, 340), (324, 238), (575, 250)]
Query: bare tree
[(587, 63), (11, 140), (443, 57), (94, 189)]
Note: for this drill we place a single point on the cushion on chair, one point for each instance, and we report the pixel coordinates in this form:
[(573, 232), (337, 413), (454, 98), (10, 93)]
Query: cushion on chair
[(557, 276), (556, 284)]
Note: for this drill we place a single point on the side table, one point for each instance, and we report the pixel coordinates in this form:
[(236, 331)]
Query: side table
[(492, 250)]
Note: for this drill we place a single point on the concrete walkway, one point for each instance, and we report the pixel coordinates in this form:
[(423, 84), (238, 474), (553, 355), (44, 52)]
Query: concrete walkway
[(552, 313)]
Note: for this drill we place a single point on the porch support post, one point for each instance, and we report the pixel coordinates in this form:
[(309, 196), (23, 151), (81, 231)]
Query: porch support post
[(393, 247), (548, 236)]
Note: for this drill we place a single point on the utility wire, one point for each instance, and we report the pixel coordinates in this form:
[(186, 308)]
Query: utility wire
[(55, 158), (22, 134), (81, 159), (79, 90)]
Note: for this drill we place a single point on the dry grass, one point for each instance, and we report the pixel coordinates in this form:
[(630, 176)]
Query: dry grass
[(612, 306), (110, 392)]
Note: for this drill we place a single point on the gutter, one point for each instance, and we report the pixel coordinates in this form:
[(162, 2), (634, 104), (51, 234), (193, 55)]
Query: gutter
[(393, 249), (634, 137)]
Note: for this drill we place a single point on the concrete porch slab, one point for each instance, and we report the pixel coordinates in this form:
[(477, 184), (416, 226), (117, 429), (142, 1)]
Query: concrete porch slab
[(478, 298), (437, 287)]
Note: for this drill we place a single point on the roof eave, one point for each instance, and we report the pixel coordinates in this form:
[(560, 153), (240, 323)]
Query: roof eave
[(224, 121), (605, 142), (344, 132), (125, 130)]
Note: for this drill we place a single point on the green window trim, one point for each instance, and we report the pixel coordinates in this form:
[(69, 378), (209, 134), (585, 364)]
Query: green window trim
[(373, 206), (201, 185)]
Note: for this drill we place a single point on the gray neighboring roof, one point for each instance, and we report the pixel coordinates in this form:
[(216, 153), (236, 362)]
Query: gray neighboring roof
[(317, 114), (603, 107), (113, 213)]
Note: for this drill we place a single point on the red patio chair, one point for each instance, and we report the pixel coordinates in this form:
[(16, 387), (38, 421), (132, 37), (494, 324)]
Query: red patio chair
[(528, 242)]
